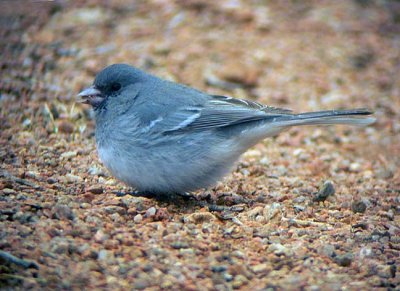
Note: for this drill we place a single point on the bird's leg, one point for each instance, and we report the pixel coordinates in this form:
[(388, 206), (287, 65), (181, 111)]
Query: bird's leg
[(206, 201), (186, 196)]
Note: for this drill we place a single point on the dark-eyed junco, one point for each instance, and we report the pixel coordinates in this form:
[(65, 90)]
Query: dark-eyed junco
[(163, 137)]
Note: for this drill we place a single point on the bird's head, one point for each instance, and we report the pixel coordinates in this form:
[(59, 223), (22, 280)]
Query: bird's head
[(111, 83)]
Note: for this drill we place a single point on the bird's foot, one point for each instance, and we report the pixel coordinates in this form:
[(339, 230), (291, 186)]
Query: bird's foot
[(186, 197)]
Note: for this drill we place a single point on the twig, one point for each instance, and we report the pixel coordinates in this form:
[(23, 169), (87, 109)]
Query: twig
[(303, 223), (9, 258)]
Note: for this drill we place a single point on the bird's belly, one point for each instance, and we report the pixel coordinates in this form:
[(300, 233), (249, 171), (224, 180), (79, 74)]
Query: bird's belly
[(164, 171)]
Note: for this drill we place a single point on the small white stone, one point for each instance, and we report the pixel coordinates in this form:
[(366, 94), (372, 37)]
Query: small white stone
[(366, 252), (138, 218), (73, 178), (297, 152), (355, 167), (68, 155), (151, 212), (252, 154), (279, 249), (245, 172)]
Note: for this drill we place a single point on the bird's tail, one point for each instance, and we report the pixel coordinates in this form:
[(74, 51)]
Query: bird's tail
[(359, 117)]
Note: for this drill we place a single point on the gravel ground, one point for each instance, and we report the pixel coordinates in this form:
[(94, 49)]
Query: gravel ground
[(316, 208)]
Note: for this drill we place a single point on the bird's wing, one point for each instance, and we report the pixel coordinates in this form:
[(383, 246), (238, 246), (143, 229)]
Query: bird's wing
[(217, 112), (218, 100)]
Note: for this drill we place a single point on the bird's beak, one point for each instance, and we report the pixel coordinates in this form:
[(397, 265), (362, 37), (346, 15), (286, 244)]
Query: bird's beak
[(91, 96)]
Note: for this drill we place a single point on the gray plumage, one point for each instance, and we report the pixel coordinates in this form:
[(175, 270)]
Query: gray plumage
[(163, 137)]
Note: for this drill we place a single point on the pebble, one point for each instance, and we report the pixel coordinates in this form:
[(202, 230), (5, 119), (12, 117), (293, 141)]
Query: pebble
[(103, 255), (228, 277), (238, 254), (297, 152), (366, 252), (21, 196), (389, 214), (66, 127), (26, 123), (239, 281), (325, 191), (96, 190), (263, 19), (327, 250), (256, 211), (85, 205), (252, 154), (168, 282), (116, 217), (8, 191), (200, 217), (261, 268), (299, 208), (83, 16), (141, 283), (51, 180), (24, 217), (299, 199), (355, 167), (265, 161), (384, 173), (344, 260), (111, 182), (88, 197), (245, 172), (219, 268), (150, 212), (260, 219), (114, 209), (138, 218), (232, 76), (59, 245), (358, 206), (270, 211), (32, 175), (100, 236), (96, 171), (179, 245), (68, 155), (386, 271), (189, 252), (279, 249), (61, 211), (73, 178)]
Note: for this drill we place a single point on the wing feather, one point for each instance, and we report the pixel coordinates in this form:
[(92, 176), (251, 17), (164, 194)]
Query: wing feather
[(217, 112)]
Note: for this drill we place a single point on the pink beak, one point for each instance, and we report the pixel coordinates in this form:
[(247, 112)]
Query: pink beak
[(91, 96)]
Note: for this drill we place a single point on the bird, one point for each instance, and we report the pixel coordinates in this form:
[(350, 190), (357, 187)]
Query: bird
[(167, 138)]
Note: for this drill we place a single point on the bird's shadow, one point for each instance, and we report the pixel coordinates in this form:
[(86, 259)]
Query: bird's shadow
[(184, 200)]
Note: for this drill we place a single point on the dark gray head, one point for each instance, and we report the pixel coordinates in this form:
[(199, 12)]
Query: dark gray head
[(112, 82)]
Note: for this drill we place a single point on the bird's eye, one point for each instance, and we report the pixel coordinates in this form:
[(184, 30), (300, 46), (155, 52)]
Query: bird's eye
[(115, 86)]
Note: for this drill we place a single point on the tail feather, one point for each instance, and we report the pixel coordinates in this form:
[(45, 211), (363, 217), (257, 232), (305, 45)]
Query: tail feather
[(358, 117)]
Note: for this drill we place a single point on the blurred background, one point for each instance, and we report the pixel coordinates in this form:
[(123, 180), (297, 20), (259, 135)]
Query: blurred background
[(301, 54)]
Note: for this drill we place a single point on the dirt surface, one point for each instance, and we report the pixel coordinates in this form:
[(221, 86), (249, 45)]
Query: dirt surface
[(276, 223)]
